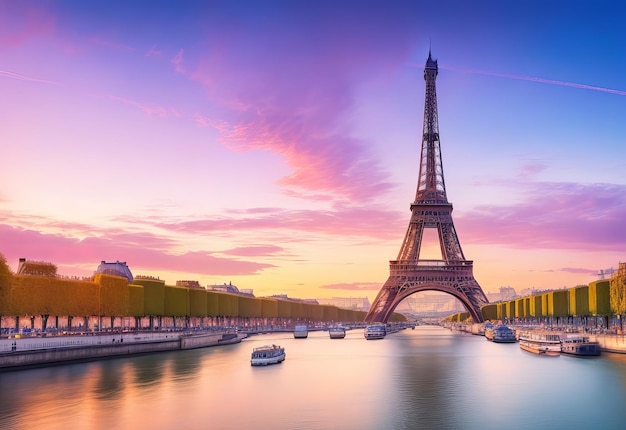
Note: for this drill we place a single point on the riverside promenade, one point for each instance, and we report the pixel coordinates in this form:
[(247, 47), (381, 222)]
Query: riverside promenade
[(609, 342), (25, 352)]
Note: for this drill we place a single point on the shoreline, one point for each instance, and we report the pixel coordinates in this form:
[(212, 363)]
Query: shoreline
[(35, 352)]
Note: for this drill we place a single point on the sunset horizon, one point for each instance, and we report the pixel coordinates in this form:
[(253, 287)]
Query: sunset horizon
[(276, 146)]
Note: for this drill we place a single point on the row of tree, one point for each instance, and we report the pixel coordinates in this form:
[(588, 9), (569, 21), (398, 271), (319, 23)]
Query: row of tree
[(113, 296), (600, 298)]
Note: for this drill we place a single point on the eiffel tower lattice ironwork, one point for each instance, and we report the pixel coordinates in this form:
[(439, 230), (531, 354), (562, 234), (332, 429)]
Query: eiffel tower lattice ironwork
[(409, 274)]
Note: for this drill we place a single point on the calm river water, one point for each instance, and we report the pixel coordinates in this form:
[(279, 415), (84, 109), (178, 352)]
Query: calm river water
[(427, 378)]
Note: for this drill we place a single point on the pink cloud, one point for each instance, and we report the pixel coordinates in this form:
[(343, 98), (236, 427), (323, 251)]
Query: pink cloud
[(553, 216), (153, 52), (20, 23), (356, 222), (294, 96), (142, 252), (177, 61), (531, 169), (254, 251), (151, 110)]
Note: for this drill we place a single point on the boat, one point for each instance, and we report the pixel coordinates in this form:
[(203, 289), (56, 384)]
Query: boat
[(580, 346), (500, 334), (375, 331), (489, 334), (301, 332), (540, 343), (337, 332), (267, 354)]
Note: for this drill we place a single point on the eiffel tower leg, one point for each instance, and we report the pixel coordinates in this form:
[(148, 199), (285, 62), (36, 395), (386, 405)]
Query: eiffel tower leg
[(384, 302), (397, 289)]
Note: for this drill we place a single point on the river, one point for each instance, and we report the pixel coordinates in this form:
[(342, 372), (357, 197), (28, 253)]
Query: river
[(427, 378)]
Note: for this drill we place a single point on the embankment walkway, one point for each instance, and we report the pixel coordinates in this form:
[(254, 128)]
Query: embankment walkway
[(16, 353)]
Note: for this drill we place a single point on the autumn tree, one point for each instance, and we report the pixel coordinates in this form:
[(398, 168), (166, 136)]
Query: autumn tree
[(618, 292), (6, 278)]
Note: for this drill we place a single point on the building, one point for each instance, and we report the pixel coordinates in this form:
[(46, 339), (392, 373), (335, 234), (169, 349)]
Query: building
[(430, 304), (36, 268), (230, 288), (284, 297), (189, 284), (353, 303), (118, 268), (505, 293)]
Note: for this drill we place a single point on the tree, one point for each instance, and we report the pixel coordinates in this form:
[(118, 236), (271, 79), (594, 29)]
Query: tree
[(618, 292), (6, 278)]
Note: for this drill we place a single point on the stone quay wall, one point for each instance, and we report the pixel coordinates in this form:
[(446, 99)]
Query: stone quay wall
[(35, 352)]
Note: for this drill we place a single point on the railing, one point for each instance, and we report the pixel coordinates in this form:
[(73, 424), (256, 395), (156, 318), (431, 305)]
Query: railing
[(431, 264)]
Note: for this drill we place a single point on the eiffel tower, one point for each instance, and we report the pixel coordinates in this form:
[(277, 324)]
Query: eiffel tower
[(409, 274)]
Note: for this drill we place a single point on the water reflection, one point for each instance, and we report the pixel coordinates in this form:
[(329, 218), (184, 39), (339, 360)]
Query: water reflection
[(185, 365), (423, 378), (110, 380), (148, 369), (430, 380)]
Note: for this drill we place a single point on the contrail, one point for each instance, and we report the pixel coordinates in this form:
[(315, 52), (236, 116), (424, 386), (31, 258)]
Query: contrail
[(19, 77), (540, 80)]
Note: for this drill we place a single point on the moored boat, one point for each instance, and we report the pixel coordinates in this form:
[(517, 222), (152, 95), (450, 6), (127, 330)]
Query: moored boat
[(580, 346), (500, 334), (540, 343), (337, 332), (375, 331), (489, 334), (267, 354), (301, 332)]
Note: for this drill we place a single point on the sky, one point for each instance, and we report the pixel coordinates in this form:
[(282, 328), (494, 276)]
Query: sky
[(275, 145)]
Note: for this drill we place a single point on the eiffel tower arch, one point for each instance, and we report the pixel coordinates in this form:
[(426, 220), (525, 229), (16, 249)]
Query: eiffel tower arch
[(409, 274)]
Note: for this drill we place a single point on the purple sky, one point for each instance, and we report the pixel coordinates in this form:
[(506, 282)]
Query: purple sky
[(275, 145)]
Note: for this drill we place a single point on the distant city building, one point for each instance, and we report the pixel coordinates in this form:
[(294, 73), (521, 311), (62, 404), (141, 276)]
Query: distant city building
[(36, 268), (149, 277), (433, 304), (291, 299), (118, 268), (506, 293), (230, 288), (189, 284), (353, 303)]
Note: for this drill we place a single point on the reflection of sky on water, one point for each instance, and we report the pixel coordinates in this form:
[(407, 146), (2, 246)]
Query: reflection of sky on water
[(423, 378), (148, 369)]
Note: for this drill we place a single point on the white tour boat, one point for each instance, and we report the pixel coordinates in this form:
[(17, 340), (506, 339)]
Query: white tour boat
[(301, 332), (579, 345), (337, 332), (267, 354), (375, 331), (500, 334), (540, 343)]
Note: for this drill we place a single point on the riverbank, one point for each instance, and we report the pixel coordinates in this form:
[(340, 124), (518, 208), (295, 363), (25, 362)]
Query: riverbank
[(609, 342), (20, 353)]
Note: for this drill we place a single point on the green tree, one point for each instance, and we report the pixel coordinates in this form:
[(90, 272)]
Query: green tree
[(618, 292), (6, 278)]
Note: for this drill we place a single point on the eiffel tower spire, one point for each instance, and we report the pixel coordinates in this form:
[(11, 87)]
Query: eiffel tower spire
[(431, 187), (409, 274)]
